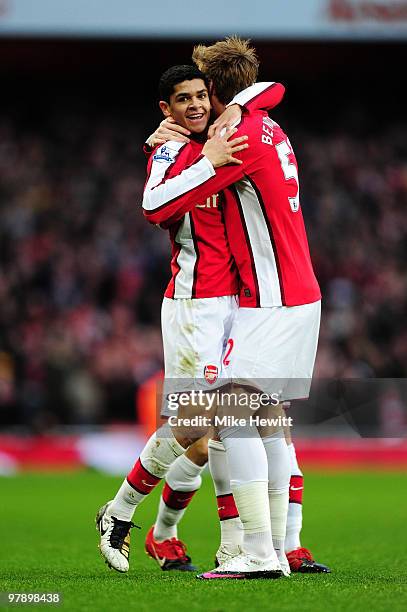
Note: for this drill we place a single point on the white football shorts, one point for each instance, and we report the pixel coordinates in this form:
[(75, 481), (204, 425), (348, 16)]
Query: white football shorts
[(273, 349), (195, 333)]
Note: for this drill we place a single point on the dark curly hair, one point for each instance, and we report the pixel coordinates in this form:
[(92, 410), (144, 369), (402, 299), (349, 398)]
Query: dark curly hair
[(175, 75)]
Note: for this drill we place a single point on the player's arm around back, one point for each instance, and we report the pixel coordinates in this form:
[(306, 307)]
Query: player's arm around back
[(260, 96), (166, 199)]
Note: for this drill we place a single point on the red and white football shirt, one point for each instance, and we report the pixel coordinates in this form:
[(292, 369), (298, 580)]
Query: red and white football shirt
[(202, 265), (263, 217)]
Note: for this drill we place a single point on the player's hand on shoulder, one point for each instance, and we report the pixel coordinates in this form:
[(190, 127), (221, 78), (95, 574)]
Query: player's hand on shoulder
[(230, 116), (220, 149), (168, 130)]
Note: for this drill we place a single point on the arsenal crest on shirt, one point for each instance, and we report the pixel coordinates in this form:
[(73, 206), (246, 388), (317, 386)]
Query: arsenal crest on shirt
[(211, 373)]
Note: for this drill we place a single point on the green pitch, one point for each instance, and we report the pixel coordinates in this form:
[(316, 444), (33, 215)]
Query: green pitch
[(354, 522)]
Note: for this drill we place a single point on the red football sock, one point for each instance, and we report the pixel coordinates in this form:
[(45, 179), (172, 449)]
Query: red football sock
[(177, 500), (226, 507), (141, 480), (296, 489)]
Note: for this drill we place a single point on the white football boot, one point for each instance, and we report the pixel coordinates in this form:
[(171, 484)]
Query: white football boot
[(285, 566), (114, 539), (224, 553), (245, 566)]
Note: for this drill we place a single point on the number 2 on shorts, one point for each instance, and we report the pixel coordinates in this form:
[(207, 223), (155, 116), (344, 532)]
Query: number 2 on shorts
[(229, 345)]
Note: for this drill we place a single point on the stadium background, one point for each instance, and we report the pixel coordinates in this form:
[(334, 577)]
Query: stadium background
[(82, 274)]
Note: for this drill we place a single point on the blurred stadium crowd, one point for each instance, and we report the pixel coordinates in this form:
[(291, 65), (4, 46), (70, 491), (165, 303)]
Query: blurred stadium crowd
[(82, 273)]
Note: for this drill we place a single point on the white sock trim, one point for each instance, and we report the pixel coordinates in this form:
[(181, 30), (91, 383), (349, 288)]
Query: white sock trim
[(294, 526), (125, 502), (231, 533), (295, 468), (160, 452), (189, 466), (184, 475), (165, 526)]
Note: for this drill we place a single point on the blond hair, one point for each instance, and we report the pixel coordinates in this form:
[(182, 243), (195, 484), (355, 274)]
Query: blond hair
[(231, 64)]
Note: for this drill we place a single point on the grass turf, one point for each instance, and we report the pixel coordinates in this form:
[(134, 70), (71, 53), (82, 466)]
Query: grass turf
[(354, 522)]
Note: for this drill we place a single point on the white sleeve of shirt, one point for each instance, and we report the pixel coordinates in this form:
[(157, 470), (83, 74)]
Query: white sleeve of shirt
[(163, 158), (249, 93), (159, 191)]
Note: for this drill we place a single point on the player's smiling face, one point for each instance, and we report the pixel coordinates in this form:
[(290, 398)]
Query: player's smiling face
[(189, 105)]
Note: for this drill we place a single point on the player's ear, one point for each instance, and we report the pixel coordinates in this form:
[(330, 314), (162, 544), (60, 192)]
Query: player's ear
[(165, 108)]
